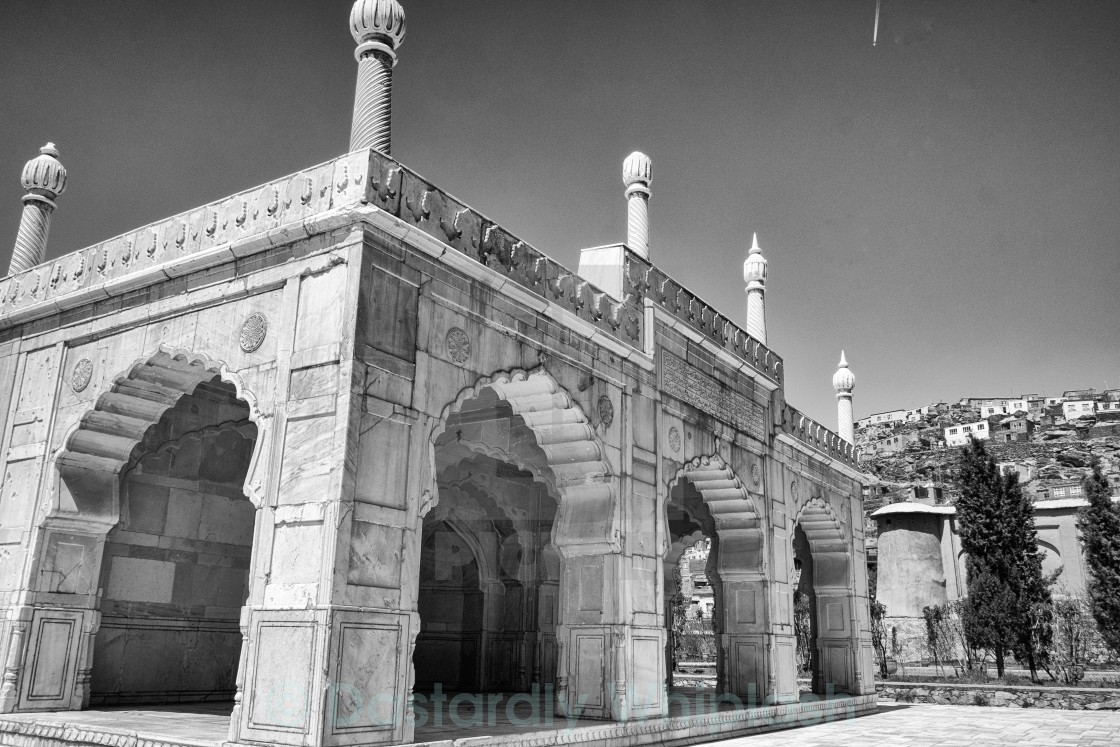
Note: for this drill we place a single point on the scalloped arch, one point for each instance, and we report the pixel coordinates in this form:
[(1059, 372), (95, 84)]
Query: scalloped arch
[(101, 443), (729, 501), (819, 521), (575, 463)]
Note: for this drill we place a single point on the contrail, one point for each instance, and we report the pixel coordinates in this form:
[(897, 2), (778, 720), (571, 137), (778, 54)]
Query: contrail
[(875, 34)]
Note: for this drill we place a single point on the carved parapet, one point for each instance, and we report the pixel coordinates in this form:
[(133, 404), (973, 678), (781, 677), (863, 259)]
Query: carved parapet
[(643, 280), (404, 194), (185, 242), (813, 434)]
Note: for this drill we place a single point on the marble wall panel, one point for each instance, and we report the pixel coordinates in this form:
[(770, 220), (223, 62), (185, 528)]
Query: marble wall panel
[(367, 662), (19, 493), (643, 584), (52, 649), (375, 553), (297, 551), (319, 318), (280, 692), (590, 657), (141, 580), (52, 642), (747, 667), (647, 671), (383, 461), (69, 564), (305, 470), (591, 585)]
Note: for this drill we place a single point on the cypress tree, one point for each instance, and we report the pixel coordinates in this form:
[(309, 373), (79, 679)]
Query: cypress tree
[(1008, 599), (1099, 523)]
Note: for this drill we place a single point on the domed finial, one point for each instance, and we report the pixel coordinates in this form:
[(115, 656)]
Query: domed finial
[(44, 176), (843, 380), (378, 21), (637, 173)]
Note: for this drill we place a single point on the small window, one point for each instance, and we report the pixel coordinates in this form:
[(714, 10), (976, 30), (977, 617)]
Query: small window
[(952, 431)]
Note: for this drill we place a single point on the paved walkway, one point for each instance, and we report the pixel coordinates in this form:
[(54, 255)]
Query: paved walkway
[(896, 725), (936, 725)]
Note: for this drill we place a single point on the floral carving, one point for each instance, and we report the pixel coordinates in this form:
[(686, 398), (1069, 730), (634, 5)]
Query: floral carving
[(458, 346), (606, 411), (253, 331), (674, 439), (81, 375)]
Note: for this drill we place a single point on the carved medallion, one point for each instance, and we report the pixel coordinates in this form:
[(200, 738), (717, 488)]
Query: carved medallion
[(458, 346), (606, 411), (253, 331), (756, 476), (794, 490), (674, 439), (82, 373)]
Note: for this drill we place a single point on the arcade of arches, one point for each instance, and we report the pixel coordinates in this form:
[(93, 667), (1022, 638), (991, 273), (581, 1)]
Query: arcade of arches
[(318, 534)]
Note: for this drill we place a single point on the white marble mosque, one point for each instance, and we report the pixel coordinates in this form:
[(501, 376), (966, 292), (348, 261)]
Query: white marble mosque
[(330, 444)]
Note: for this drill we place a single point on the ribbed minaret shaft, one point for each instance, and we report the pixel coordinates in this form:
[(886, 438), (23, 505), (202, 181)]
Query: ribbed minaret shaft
[(754, 274), (373, 104), (378, 29), (637, 174), (31, 241), (44, 178), (844, 381)]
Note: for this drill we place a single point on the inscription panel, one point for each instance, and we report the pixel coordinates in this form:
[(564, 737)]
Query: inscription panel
[(689, 384)]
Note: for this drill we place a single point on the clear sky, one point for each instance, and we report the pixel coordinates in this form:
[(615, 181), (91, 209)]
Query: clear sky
[(945, 206)]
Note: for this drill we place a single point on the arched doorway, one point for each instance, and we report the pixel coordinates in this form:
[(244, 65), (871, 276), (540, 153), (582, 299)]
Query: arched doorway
[(821, 554), (520, 479), (155, 473), (721, 508), (692, 594), (175, 570)]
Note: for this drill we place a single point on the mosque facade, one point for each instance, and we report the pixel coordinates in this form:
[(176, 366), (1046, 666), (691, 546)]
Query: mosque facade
[(335, 443)]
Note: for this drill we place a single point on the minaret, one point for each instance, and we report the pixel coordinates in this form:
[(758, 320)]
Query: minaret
[(844, 382), (637, 175), (44, 178), (754, 275), (378, 29)]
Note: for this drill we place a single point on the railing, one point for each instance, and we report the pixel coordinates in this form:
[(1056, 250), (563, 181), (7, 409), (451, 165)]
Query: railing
[(642, 280)]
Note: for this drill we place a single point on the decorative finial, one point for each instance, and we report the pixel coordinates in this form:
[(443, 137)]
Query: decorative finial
[(379, 24), (755, 265), (843, 380), (378, 28), (637, 173), (44, 176)]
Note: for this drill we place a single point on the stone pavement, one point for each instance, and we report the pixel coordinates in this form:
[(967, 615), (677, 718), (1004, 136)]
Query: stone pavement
[(905, 725)]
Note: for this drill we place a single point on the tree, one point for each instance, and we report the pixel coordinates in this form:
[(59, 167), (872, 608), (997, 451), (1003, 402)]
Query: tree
[(1007, 609), (1099, 523)]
